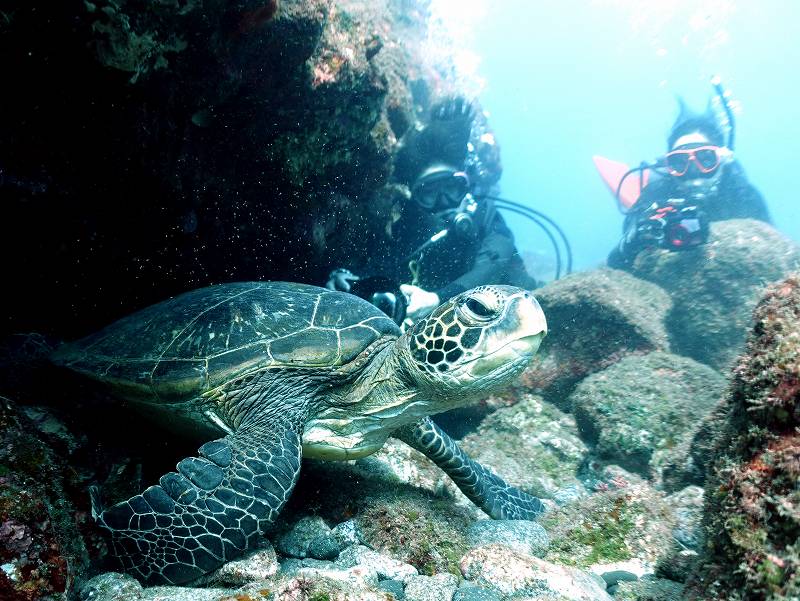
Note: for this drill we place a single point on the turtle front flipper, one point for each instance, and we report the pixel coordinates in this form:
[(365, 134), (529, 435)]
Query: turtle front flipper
[(212, 509), (497, 498)]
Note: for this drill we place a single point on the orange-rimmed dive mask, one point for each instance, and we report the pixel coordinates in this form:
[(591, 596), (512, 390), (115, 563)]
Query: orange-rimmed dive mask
[(695, 160)]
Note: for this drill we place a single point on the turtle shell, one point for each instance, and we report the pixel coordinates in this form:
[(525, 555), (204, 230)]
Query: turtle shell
[(180, 348)]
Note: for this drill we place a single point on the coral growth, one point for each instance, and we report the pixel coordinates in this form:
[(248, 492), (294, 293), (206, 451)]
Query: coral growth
[(752, 498), (41, 551)]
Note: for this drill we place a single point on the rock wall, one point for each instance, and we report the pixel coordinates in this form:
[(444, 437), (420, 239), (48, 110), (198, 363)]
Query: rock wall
[(752, 511), (153, 146)]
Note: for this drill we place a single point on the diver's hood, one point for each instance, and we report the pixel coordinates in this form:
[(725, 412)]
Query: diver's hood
[(688, 121), (435, 171)]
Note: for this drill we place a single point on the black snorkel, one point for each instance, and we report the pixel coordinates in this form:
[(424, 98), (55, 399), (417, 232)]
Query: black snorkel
[(716, 81)]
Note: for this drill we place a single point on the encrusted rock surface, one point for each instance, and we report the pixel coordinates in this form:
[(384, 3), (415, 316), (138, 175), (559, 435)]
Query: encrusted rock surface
[(256, 566), (42, 552), (635, 411), (431, 588), (521, 535), (295, 542), (164, 146), (594, 318), (752, 511), (714, 287), (651, 589), (687, 462)]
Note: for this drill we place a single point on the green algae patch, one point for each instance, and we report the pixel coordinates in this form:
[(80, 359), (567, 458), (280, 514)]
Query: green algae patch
[(610, 526), (425, 537)]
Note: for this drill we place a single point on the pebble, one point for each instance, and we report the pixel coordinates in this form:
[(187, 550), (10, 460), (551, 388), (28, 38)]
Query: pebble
[(524, 536)]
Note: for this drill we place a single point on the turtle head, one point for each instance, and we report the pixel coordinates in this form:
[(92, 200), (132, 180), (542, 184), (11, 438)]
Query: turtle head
[(475, 343)]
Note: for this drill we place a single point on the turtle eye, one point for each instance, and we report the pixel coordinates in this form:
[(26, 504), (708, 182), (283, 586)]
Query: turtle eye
[(477, 310)]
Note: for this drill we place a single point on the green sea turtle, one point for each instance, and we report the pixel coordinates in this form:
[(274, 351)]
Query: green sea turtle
[(275, 371)]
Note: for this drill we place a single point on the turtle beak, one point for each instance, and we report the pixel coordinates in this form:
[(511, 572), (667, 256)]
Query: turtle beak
[(512, 348), (531, 324)]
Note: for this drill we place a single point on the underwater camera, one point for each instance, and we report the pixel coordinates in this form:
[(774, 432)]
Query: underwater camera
[(384, 293), (674, 226)]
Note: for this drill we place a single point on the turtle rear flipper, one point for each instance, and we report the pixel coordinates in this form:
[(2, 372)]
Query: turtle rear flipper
[(492, 494), (213, 508)]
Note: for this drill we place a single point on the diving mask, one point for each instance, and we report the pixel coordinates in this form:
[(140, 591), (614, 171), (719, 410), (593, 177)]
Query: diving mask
[(440, 190), (695, 160)]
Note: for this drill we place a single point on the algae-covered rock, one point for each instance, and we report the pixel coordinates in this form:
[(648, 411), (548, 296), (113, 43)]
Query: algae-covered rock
[(752, 515), (594, 319), (643, 406), (533, 445), (514, 574), (714, 287), (610, 526), (296, 540), (419, 524)]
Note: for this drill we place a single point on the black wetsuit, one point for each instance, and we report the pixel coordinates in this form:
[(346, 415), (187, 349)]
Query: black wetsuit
[(456, 262), (733, 197)]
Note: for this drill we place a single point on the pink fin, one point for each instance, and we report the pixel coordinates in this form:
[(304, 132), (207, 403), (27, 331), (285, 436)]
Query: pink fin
[(612, 172)]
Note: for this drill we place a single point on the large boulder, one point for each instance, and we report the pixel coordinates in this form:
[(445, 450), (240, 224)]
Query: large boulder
[(714, 287), (594, 319), (636, 411), (752, 510)]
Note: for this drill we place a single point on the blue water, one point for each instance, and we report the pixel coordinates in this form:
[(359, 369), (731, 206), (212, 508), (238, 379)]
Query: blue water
[(570, 79)]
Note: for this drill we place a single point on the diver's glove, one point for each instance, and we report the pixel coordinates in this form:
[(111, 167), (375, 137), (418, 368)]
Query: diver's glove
[(339, 279), (456, 108), (447, 134), (420, 302)]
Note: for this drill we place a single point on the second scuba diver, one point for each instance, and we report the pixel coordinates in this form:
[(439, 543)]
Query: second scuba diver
[(449, 237), (701, 182)]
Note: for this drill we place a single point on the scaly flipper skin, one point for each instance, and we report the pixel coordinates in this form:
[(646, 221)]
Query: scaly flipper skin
[(498, 499), (215, 506)]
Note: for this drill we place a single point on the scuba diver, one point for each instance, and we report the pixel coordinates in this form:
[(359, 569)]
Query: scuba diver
[(697, 181), (449, 237)]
